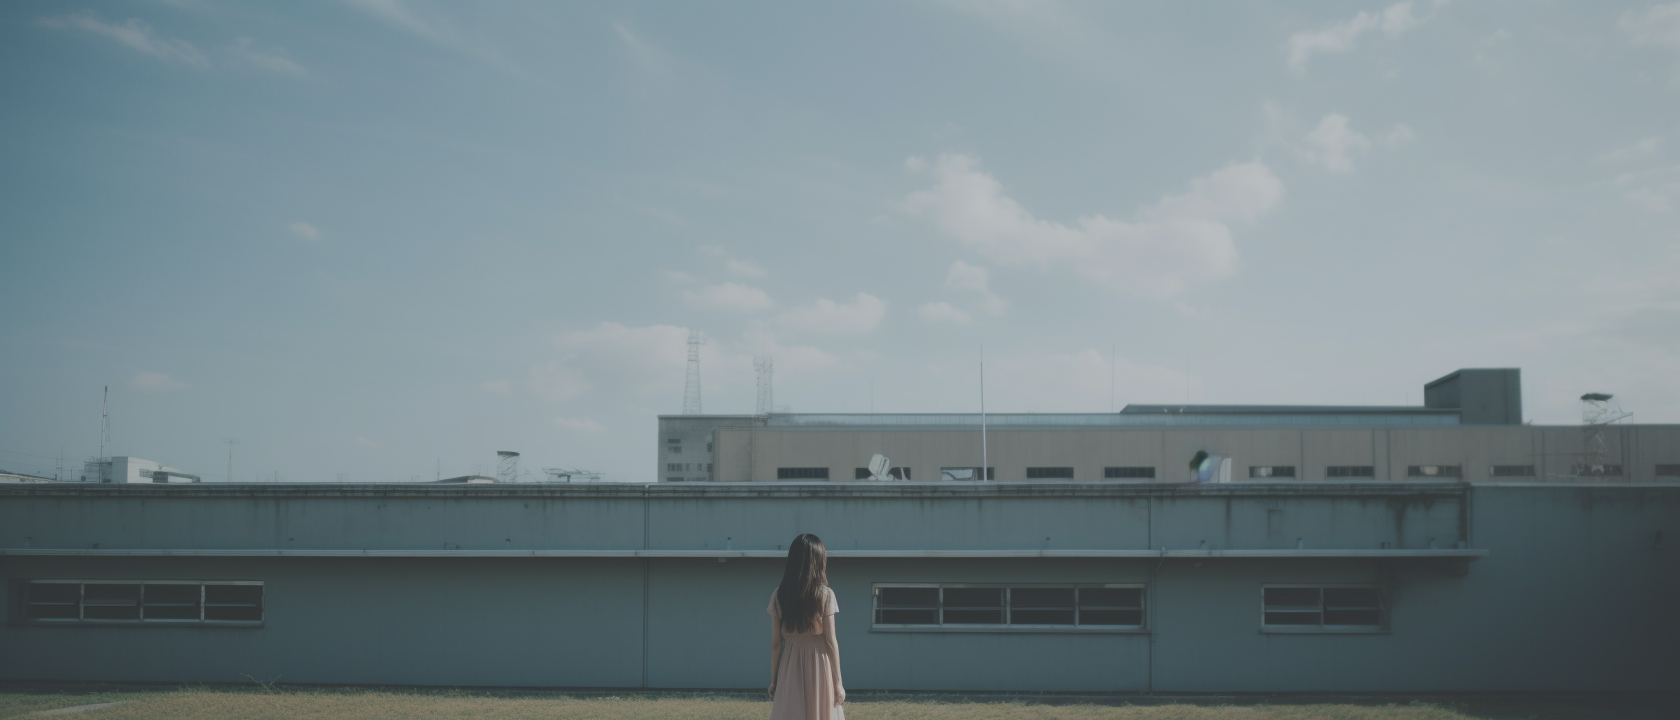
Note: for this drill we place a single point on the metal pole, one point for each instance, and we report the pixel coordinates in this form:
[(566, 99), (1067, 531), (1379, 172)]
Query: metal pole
[(984, 462)]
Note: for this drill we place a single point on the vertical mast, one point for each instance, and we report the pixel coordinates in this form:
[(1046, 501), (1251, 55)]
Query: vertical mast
[(984, 462), (104, 424)]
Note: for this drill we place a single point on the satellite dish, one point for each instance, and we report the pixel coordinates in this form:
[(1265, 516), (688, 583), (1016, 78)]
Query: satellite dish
[(878, 466), (1208, 470)]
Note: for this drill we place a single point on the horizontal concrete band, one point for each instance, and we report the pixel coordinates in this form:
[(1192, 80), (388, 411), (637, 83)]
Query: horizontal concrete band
[(766, 490), (1456, 554)]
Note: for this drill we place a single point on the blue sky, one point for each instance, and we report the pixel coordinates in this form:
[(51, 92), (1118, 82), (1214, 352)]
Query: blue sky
[(382, 239)]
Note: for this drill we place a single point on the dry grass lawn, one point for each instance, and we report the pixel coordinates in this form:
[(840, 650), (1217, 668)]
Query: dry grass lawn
[(218, 703)]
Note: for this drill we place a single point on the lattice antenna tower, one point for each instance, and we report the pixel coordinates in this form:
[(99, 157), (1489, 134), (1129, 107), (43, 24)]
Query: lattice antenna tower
[(691, 389), (766, 368), (507, 466), (1597, 411)]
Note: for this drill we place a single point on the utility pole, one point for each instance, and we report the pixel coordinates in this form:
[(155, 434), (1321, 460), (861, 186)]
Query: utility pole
[(985, 464)]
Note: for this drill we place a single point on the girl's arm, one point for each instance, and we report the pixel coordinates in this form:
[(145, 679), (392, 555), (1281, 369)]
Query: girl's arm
[(833, 650), (775, 651)]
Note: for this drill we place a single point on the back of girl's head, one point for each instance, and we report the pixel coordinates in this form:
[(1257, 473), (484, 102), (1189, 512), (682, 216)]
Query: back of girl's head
[(803, 580)]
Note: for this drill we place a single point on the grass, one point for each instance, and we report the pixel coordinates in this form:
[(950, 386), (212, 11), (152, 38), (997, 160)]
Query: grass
[(193, 702)]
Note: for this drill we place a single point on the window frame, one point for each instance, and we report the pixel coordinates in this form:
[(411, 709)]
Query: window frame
[(1350, 472), (1383, 626), (1050, 472), (20, 587), (1006, 627), (802, 473), (1118, 472), (1272, 472)]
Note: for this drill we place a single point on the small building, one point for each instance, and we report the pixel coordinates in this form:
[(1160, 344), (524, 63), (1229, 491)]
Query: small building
[(124, 469), (13, 477)]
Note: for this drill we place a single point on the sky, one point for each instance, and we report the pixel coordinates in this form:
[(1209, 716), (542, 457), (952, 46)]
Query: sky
[(380, 240)]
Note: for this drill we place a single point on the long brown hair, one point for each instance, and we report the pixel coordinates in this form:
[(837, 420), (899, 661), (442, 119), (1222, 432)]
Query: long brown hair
[(800, 593)]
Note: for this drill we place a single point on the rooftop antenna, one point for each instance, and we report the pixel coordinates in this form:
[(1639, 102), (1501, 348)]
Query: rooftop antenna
[(1597, 411), (507, 466), (104, 424), (766, 368), (231, 441), (985, 464), (691, 390), (1112, 350)]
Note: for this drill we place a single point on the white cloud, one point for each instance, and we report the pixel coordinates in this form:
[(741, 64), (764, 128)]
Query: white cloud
[(554, 381), (640, 360), (744, 268), (1400, 135), (1657, 191), (826, 317), (578, 424), (729, 296), (149, 381), (963, 276), (305, 230), (942, 311), (1339, 37), (132, 34), (1179, 241), (1659, 25), (274, 61), (1333, 143), (497, 387), (428, 23), (1639, 149)]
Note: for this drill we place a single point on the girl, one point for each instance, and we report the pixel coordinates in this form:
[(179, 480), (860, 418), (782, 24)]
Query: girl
[(804, 652)]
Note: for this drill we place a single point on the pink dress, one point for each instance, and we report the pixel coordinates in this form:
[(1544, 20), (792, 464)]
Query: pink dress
[(804, 681)]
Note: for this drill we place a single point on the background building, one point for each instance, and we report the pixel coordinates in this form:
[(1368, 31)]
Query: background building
[(123, 469), (1469, 428)]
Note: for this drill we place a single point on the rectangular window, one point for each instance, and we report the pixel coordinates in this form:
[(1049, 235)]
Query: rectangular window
[(986, 607), (897, 473), (1271, 471), (1293, 607), (1049, 473), (142, 601), (1428, 471), (1350, 471), (675, 449), (673, 467), (673, 441), (1593, 470), (1128, 473), (1668, 471), (948, 474), (802, 473), (1511, 471), (708, 447)]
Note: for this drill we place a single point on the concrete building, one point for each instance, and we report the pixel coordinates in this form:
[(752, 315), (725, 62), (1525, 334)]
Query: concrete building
[(12, 477), (124, 469), (1468, 429), (1090, 586), (1440, 548)]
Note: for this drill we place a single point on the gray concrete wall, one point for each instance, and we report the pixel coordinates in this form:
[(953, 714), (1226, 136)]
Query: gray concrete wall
[(1576, 592)]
